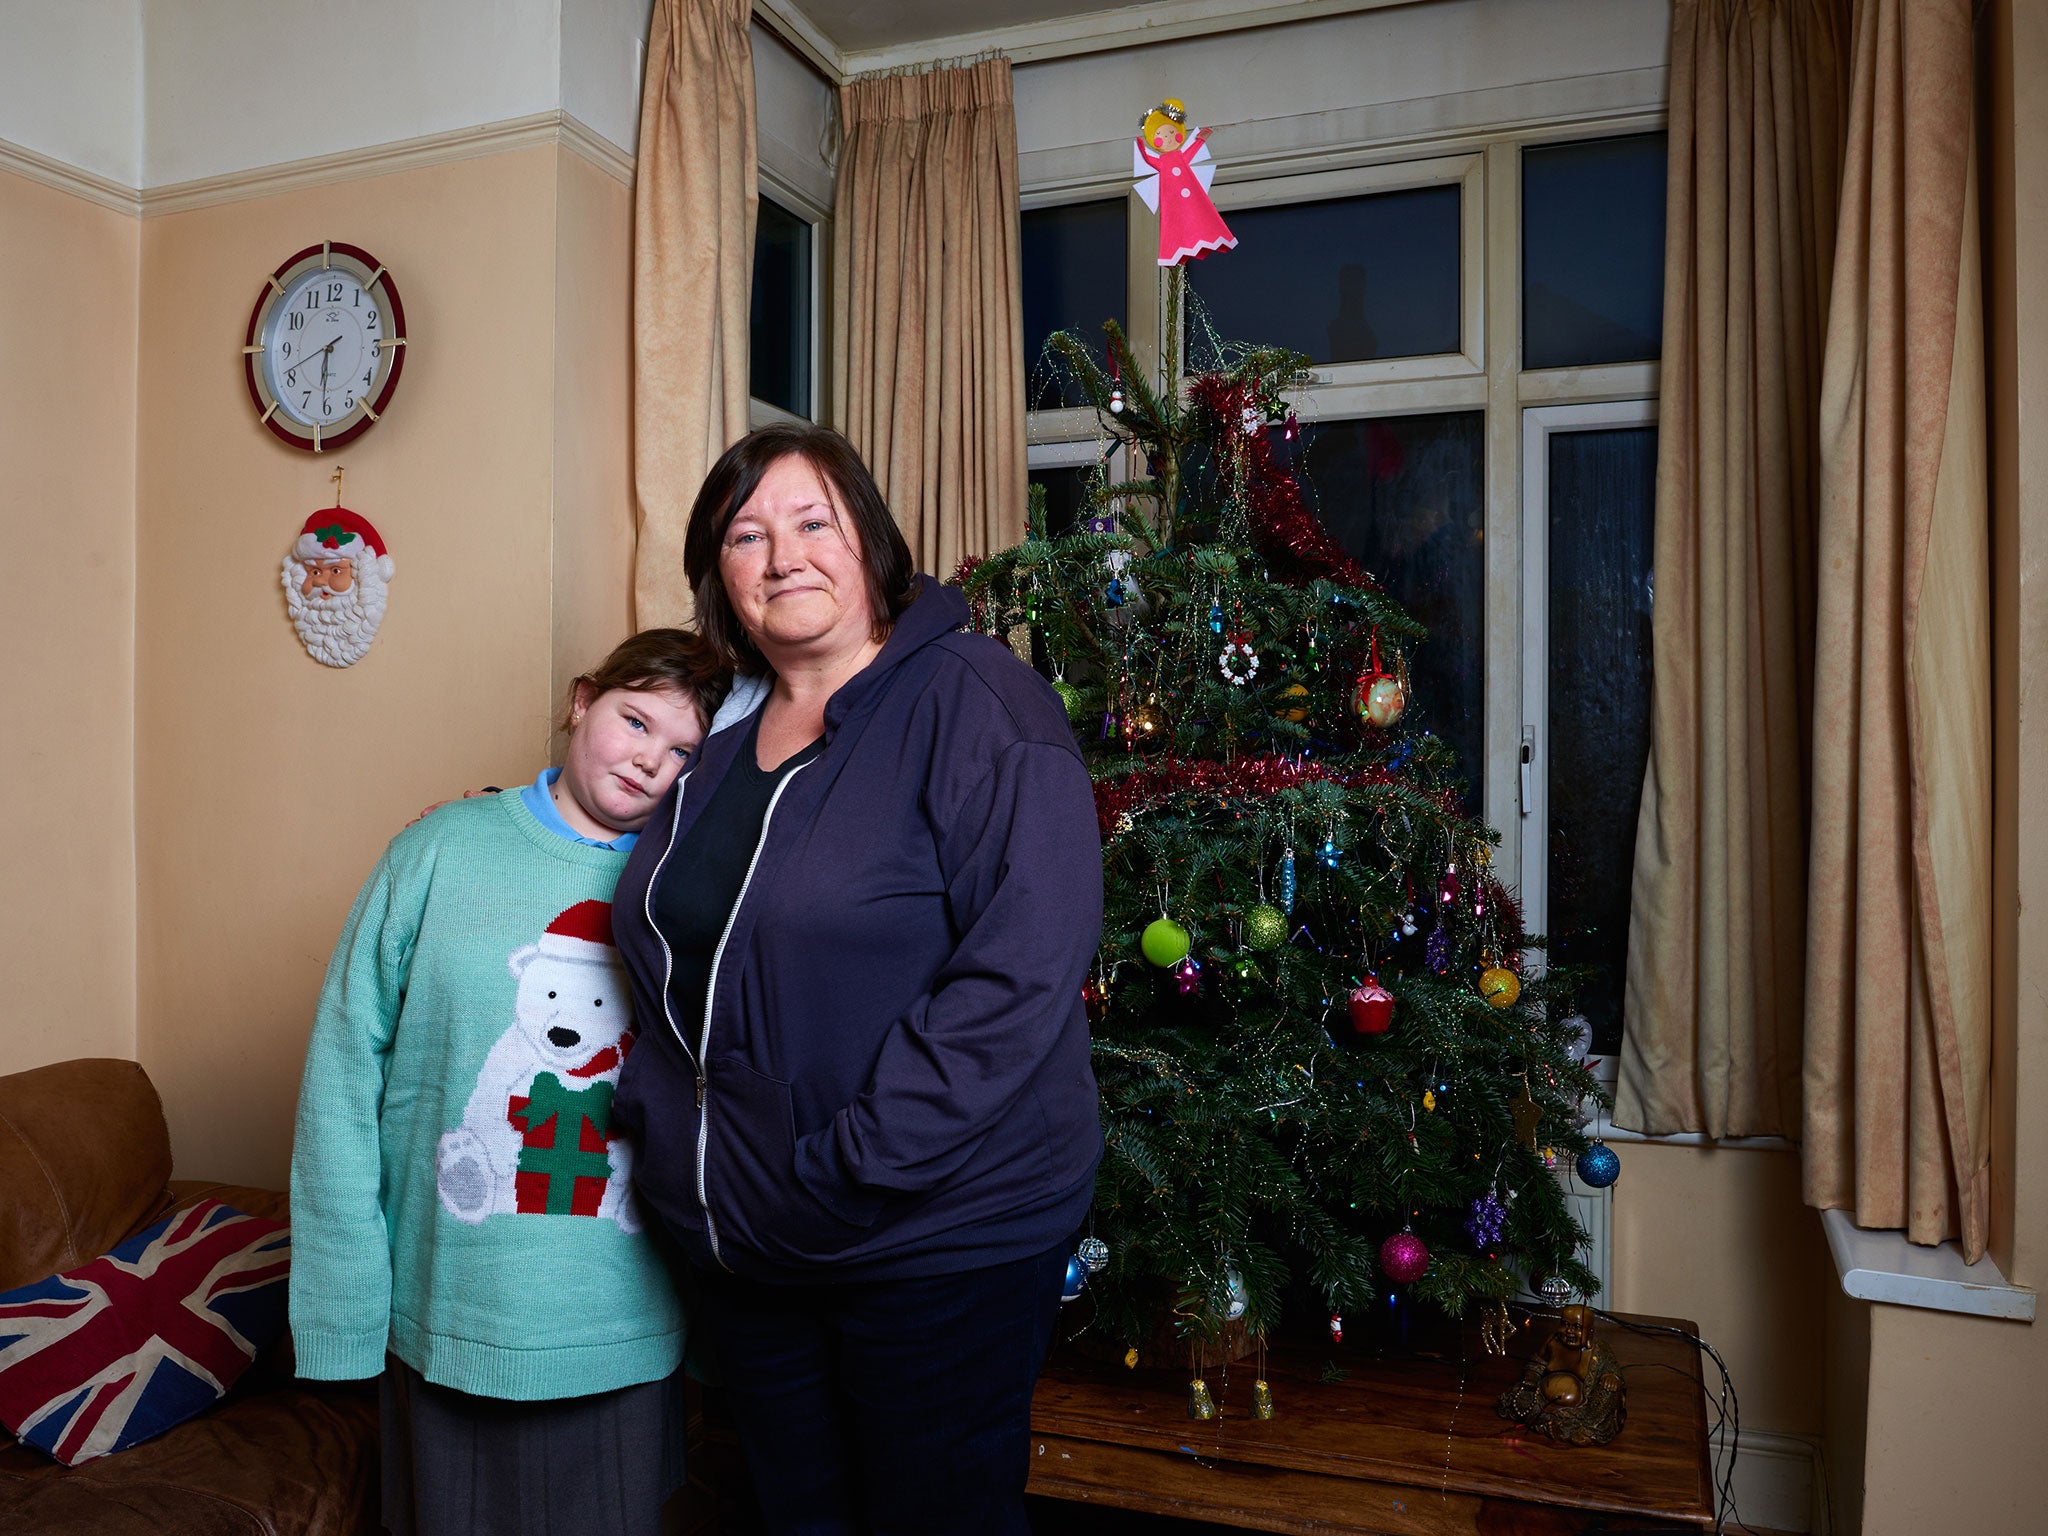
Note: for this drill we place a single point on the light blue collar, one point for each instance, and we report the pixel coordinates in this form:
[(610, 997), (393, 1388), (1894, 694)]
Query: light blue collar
[(537, 799)]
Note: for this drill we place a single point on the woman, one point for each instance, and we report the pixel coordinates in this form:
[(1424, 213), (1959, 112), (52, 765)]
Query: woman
[(865, 919), (463, 1218)]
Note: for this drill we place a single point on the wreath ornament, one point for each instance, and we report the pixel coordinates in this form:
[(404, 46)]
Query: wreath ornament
[(1239, 662)]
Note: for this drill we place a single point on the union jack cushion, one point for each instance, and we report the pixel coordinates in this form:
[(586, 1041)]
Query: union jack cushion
[(118, 1350)]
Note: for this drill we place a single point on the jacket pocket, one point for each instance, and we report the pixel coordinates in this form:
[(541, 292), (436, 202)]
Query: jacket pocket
[(756, 1198)]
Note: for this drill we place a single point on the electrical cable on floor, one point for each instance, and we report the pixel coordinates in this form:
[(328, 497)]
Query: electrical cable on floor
[(1727, 1415)]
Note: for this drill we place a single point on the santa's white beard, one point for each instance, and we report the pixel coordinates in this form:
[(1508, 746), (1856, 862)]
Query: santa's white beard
[(336, 630)]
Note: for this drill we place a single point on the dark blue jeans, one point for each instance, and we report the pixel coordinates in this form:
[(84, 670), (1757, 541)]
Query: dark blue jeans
[(890, 1407)]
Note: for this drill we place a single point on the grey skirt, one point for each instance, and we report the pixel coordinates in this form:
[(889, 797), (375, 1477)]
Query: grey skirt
[(456, 1464)]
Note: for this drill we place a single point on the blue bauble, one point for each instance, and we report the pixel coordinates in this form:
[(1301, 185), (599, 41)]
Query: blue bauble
[(1598, 1166), (1077, 1277)]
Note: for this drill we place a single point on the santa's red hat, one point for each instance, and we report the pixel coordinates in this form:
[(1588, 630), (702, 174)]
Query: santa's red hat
[(583, 932), (335, 533)]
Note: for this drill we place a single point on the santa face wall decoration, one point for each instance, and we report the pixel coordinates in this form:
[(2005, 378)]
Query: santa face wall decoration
[(336, 578)]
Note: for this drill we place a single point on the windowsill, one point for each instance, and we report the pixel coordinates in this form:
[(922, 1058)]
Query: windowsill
[(1607, 1130), (1883, 1266)]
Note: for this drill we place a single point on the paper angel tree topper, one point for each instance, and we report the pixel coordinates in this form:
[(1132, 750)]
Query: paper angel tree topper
[(1174, 170)]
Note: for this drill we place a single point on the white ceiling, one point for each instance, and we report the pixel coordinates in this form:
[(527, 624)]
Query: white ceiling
[(860, 26)]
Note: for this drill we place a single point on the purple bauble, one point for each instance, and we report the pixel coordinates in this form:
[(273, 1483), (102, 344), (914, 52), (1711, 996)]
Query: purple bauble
[(1404, 1257), (1187, 975)]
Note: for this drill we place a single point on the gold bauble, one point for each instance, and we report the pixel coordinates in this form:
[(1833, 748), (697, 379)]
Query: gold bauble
[(1500, 986), (1293, 703)]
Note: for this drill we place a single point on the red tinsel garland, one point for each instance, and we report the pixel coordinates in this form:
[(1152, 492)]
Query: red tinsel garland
[(1247, 778), (1298, 547)]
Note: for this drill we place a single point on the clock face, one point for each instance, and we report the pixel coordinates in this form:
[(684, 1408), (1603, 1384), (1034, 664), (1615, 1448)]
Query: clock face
[(326, 346)]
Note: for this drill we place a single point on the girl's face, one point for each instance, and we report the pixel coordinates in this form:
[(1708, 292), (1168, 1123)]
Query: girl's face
[(625, 749), (1167, 137)]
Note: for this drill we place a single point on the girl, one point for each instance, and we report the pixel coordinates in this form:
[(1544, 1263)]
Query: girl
[(461, 1202)]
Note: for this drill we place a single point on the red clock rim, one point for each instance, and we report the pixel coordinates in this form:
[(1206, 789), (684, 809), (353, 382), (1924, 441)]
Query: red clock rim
[(267, 293)]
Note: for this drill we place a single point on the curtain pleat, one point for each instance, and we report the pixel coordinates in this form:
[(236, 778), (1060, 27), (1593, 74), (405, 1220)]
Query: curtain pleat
[(693, 256), (1897, 1079), (928, 330), (1716, 961)]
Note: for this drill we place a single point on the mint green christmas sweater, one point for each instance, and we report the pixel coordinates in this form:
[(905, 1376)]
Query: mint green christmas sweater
[(457, 1195)]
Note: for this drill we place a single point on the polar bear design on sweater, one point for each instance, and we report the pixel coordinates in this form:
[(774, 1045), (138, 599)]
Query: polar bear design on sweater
[(536, 1137)]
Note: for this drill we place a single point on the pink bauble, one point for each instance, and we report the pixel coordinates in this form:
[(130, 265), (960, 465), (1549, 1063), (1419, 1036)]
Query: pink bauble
[(1403, 1257)]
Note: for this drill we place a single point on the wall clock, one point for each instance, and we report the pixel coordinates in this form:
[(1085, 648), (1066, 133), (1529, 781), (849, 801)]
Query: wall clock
[(325, 346)]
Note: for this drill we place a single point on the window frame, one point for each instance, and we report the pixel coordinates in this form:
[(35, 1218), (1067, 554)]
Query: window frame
[(1485, 374), (818, 219)]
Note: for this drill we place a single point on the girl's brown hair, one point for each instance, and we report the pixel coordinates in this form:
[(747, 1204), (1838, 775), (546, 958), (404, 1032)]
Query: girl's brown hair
[(890, 569), (658, 658)]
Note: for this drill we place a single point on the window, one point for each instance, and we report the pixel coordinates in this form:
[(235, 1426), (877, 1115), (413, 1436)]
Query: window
[(1590, 482), (1481, 436), (1344, 280), (1073, 260), (1593, 252), (781, 332)]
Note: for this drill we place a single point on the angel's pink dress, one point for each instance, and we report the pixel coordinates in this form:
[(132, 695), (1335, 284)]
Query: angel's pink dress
[(1189, 225)]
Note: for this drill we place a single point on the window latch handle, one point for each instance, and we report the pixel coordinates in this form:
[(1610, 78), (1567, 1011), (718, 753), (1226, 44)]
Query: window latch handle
[(1528, 769)]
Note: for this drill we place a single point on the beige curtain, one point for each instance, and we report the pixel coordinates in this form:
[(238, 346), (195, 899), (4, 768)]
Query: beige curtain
[(1898, 963), (1717, 928), (693, 258), (927, 314)]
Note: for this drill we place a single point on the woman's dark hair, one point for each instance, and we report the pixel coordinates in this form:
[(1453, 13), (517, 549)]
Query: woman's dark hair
[(891, 572), (658, 658)]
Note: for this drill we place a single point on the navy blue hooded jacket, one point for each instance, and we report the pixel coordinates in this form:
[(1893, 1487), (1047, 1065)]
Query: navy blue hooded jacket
[(891, 1077)]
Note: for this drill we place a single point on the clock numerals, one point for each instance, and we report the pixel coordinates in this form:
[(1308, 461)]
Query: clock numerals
[(320, 354)]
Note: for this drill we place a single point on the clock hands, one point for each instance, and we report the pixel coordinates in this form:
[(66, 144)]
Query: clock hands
[(321, 354)]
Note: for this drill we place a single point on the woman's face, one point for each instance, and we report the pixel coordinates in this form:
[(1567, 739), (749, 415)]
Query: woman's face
[(626, 747), (792, 567)]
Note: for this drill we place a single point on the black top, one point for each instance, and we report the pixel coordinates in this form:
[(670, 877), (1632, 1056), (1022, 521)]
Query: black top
[(702, 876)]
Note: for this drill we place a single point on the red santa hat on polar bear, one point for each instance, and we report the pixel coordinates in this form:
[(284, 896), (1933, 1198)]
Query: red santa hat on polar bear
[(583, 932), (336, 579)]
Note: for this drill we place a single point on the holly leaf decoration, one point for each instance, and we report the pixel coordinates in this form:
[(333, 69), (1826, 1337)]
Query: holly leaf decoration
[(333, 536)]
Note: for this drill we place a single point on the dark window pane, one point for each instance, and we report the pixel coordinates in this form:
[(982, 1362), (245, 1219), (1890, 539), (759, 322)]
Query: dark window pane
[(1406, 496), (1346, 281), (1066, 492), (1074, 279), (1593, 252), (1602, 495), (779, 332)]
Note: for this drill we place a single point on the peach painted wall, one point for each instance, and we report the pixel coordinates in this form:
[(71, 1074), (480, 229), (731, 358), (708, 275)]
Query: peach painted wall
[(271, 782), (1723, 1238), (67, 624), (593, 485)]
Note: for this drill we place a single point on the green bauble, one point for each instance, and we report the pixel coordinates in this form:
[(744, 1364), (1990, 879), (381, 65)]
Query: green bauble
[(1069, 696), (1164, 942), (1264, 927)]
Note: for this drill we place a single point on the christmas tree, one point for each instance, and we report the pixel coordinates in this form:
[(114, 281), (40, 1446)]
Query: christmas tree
[(1324, 1078)]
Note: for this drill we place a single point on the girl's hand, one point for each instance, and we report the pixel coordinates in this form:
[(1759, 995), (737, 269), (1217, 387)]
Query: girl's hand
[(467, 794)]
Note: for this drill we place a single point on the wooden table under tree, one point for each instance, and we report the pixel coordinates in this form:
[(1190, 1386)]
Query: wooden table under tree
[(1396, 1447)]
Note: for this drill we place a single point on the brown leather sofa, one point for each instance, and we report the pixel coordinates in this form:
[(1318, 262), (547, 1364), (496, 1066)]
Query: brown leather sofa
[(85, 1161)]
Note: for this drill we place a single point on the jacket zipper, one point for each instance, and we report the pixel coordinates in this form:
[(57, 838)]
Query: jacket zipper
[(710, 991), (668, 959)]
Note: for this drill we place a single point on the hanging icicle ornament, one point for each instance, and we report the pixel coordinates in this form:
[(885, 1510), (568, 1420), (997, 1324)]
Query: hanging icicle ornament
[(1238, 661), (1286, 881), (1215, 616), (1236, 1297), (1378, 696)]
